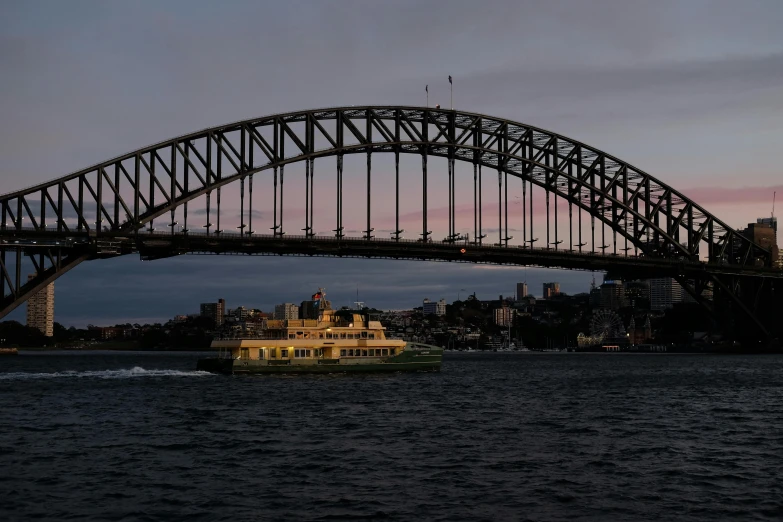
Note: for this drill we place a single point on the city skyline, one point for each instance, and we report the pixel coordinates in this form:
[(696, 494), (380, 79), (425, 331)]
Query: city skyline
[(435, 280), (665, 105)]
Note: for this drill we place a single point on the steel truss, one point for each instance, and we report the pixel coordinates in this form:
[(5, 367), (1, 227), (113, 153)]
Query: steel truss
[(78, 216)]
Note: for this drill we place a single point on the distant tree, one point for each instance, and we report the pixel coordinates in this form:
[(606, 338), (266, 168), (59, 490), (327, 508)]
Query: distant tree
[(61, 334), (16, 334)]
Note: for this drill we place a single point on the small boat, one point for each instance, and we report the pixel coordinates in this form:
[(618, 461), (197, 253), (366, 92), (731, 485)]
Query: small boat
[(338, 341), (9, 351)]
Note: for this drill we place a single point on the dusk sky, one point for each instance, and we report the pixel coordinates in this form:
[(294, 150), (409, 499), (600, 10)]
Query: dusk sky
[(690, 92)]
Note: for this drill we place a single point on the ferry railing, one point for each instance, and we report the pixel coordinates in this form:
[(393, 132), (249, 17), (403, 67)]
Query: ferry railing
[(248, 336)]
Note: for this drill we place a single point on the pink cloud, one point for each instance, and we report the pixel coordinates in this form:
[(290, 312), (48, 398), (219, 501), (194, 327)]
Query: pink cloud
[(706, 196)]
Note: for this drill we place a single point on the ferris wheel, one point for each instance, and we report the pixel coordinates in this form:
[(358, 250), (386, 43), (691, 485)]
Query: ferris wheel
[(606, 324)]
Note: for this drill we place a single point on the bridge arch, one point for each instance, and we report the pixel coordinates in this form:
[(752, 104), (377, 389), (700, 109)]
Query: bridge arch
[(628, 200), (119, 197)]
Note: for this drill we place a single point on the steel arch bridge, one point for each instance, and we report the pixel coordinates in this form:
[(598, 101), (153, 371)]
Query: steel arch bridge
[(111, 208)]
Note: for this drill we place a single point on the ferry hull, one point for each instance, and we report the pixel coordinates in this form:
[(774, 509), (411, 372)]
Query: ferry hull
[(409, 361)]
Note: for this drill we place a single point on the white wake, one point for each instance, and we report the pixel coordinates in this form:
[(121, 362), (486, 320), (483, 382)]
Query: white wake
[(136, 371)]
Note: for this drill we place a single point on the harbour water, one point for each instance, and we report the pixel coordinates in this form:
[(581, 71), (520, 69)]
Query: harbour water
[(142, 436)]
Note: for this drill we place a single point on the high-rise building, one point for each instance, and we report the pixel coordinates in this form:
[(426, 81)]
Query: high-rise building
[(286, 311), (764, 234), (40, 309), (215, 311), (665, 292), (771, 221), (433, 307), (240, 313), (637, 293), (613, 294), (504, 316), (521, 291), (551, 290)]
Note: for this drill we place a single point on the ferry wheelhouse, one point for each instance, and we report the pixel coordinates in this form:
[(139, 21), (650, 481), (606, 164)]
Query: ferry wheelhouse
[(337, 341)]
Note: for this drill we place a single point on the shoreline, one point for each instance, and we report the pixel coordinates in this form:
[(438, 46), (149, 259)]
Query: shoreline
[(109, 349)]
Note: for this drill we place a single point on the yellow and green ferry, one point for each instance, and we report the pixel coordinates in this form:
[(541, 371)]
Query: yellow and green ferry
[(337, 341)]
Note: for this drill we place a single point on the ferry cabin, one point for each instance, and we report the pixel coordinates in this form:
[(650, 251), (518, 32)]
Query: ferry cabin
[(308, 341)]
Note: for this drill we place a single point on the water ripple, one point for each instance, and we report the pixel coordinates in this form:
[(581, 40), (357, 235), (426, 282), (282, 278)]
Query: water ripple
[(125, 437)]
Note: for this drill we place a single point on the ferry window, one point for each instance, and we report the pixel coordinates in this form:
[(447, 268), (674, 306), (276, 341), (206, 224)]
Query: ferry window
[(308, 353), (283, 353), (342, 335), (364, 335), (350, 336), (328, 336), (372, 352), (364, 353), (385, 351), (292, 336), (392, 351), (306, 335), (350, 353), (372, 336), (342, 353)]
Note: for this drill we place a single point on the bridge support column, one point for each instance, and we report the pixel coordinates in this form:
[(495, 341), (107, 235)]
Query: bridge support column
[(425, 234)]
